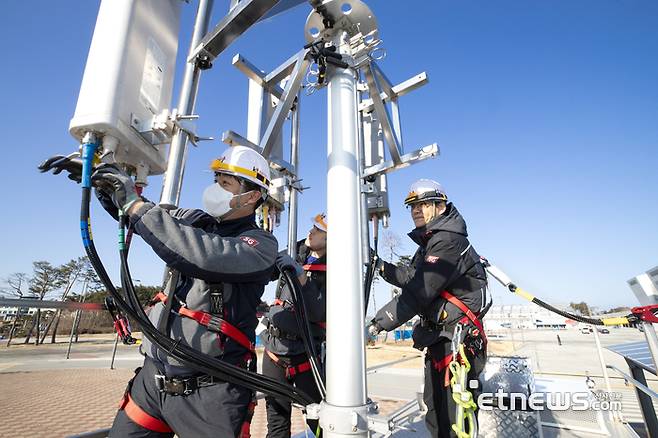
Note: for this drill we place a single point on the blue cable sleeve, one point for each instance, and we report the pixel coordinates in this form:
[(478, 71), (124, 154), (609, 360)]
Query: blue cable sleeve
[(84, 231), (88, 150)]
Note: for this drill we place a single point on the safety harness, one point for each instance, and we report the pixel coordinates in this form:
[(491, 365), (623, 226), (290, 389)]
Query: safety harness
[(290, 370), (477, 332), (186, 386), (138, 416), (211, 321)]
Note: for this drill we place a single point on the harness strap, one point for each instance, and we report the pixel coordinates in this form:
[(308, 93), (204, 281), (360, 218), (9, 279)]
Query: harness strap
[(163, 322), (213, 323), (442, 365), (470, 316), (140, 417), (315, 267), (245, 431), (217, 324), (291, 370)]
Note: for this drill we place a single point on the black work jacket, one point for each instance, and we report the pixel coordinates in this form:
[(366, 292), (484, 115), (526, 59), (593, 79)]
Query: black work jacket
[(281, 315), (445, 260)]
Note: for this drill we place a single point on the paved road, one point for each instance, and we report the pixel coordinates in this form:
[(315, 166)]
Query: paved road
[(577, 355), (89, 353)]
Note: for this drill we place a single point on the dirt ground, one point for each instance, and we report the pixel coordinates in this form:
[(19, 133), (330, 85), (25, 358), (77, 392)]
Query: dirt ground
[(389, 352)]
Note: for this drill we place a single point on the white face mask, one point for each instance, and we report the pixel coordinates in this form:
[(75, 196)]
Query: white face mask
[(216, 200)]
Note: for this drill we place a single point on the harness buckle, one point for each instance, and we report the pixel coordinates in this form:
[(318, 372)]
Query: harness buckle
[(159, 382), (173, 386), (217, 299), (456, 340), (214, 323)]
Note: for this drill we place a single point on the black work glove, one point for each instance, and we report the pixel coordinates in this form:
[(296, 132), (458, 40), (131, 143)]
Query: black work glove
[(374, 328), (284, 261), (105, 199), (116, 183), (379, 263), (58, 163)]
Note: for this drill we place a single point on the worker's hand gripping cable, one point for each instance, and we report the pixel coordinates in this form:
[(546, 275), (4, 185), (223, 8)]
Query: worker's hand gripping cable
[(465, 425), (131, 307)]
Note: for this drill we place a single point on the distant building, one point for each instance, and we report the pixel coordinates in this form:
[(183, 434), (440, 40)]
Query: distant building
[(8, 313), (526, 316)]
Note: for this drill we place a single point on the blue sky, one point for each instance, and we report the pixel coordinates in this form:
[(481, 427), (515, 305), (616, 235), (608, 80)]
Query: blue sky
[(545, 112)]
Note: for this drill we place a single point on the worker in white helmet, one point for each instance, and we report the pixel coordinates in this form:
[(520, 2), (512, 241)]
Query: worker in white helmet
[(220, 262), (445, 284)]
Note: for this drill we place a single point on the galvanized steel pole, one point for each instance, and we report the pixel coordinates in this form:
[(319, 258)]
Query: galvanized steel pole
[(294, 160), (344, 412), (173, 179)]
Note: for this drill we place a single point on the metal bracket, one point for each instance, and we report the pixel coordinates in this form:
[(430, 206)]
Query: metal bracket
[(378, 83), (282, 71), (240, 18), (406, 160), (161, 128), (256, 75), (285, 103), (386, 425), (351, 420), (399, 90), (232, 138)]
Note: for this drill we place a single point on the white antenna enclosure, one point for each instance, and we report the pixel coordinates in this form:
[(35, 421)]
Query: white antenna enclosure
[(129, 77)]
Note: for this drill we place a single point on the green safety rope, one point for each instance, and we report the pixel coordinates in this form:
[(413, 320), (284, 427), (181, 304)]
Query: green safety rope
[(463, 398)]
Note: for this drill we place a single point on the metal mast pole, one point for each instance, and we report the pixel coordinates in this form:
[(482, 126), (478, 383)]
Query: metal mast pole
[(294, 160), (363, 211), (173, 178), (344, 412)]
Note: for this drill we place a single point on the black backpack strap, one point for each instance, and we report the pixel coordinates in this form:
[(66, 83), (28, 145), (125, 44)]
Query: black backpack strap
[(216, 298), (163, 322)]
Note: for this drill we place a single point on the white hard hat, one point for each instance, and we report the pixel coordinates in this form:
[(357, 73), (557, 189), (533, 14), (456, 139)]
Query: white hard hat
[(425, 190), (244, 162), (320, 222)]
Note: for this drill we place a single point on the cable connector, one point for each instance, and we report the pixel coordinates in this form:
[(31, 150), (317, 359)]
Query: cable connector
[(644, 313)]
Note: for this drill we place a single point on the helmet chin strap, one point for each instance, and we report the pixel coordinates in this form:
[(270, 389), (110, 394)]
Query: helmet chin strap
[(435, 215)]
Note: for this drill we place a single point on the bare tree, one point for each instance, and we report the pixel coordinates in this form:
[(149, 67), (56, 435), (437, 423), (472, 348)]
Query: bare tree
[(16, 286), (91, 284), (69, 274), (45, 279), (392, 242)]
